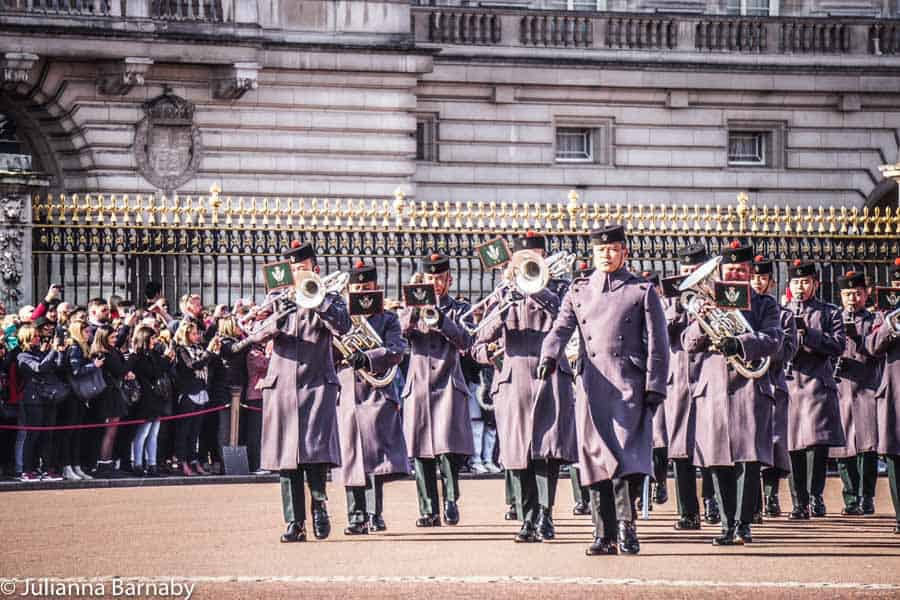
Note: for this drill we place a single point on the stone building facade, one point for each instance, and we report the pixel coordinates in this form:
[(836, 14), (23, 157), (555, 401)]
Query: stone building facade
[(513, 100)]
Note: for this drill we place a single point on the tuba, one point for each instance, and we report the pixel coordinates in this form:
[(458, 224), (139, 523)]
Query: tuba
[(362, 336), (718, 323)]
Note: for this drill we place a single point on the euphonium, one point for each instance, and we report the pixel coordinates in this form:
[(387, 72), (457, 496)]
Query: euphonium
[(362, 336), (718, 323)]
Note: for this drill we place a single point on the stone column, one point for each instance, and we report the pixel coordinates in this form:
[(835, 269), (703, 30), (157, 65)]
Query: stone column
[(16, 260)]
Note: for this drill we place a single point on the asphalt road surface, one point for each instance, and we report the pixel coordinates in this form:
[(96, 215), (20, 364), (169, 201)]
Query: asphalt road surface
[(223, 541)]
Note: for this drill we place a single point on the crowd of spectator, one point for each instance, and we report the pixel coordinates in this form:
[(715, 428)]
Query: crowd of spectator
[(124, 367)]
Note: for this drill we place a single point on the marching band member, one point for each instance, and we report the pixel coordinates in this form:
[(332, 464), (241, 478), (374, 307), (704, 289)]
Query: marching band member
[(680, 413), (885, 342), (857, 373), (372, 445), (660, 432), (622, 365), (300, 390), (580, 494), (535, 419), (734, 412), (763, 283), (436, 397), (814, 419)]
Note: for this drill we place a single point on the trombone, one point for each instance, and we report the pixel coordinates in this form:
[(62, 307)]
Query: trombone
[(527, 274)]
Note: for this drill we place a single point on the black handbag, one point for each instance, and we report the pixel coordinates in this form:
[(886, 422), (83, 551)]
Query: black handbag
[(131, 390), (89, 386)]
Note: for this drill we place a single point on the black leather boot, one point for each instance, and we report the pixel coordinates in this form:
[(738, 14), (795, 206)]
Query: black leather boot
[(800, 513), (527, 534), (321, 523), (628, 539), (711, 511), (602, 546), (688, 523), (660, 493), (773, 507), (817, 507), (742, 533), (429, 521), (581, 508), (295, 532), (511, 514), (545, 528), (357, 529), (376, 523), (451, 512), (868, 505), (728, 538)]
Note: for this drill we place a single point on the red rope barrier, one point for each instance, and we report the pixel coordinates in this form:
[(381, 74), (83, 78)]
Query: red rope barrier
[(253, 408), (114, 424)]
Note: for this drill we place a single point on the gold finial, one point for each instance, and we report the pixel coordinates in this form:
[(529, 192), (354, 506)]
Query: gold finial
[(399, 202), (214, 191), (742, 208), (573, 207)]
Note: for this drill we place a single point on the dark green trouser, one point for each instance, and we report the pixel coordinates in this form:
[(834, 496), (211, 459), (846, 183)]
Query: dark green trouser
[(579, 492), (508, 488), (707, 489), (893, 469), (364, 501), (737, 491), (293, 498), (660, 465), (771, 479), (426, 481), (535, 487), (612, 501), (686, 487), (858, 474), (808, 473)]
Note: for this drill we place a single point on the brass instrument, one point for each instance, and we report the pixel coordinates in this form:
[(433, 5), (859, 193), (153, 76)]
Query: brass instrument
[(527, 273), (696, 291), (361, 337), (431, 315), (892, 320), (308, 292)]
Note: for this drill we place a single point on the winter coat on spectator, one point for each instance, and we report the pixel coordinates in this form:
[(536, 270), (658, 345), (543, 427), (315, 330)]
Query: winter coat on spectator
[(148, 368)]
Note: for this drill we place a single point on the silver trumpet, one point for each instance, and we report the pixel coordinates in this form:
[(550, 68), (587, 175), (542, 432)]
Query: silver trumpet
[(361, 337), (696, 291), (527, 273)]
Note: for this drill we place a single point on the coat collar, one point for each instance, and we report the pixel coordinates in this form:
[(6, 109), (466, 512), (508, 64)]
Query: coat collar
[(616, 279)]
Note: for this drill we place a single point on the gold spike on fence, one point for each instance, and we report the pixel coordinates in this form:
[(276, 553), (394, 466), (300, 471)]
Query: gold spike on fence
[(402, 214)]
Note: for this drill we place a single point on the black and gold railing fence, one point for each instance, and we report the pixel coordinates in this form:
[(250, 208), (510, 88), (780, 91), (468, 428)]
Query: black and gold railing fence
[(103, 244)]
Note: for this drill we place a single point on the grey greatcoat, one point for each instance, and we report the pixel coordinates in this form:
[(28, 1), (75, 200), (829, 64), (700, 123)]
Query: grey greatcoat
[(300, 389), (660, 434), (369, 423), (814, 417), (858, 380), (683, 371), (436, 398), (529, 427), (886, 344), (622, 370), (734, 413), (784, 355)]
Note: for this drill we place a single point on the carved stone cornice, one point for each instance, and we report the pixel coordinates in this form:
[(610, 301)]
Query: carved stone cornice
[(15, 67), (232, 82), (118, 78)]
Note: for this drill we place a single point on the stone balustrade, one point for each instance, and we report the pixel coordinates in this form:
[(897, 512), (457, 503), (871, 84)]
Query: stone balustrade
[(656, 32)]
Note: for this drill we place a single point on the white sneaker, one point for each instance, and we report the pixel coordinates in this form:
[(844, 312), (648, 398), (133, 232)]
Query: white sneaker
[(80, 473), (479, 468), (69, 474), (491, 467)]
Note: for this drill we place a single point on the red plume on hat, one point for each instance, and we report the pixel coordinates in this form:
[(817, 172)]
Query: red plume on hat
[(735, 244), (295, 243), (897, 262), (582, 265), (646, 274), (797, 262), (360, 264), (759, 258), (850, 274), (530, 233), (435, 257)]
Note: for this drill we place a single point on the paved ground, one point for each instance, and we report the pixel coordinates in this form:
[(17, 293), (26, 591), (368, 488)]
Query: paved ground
[(223, 540)]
